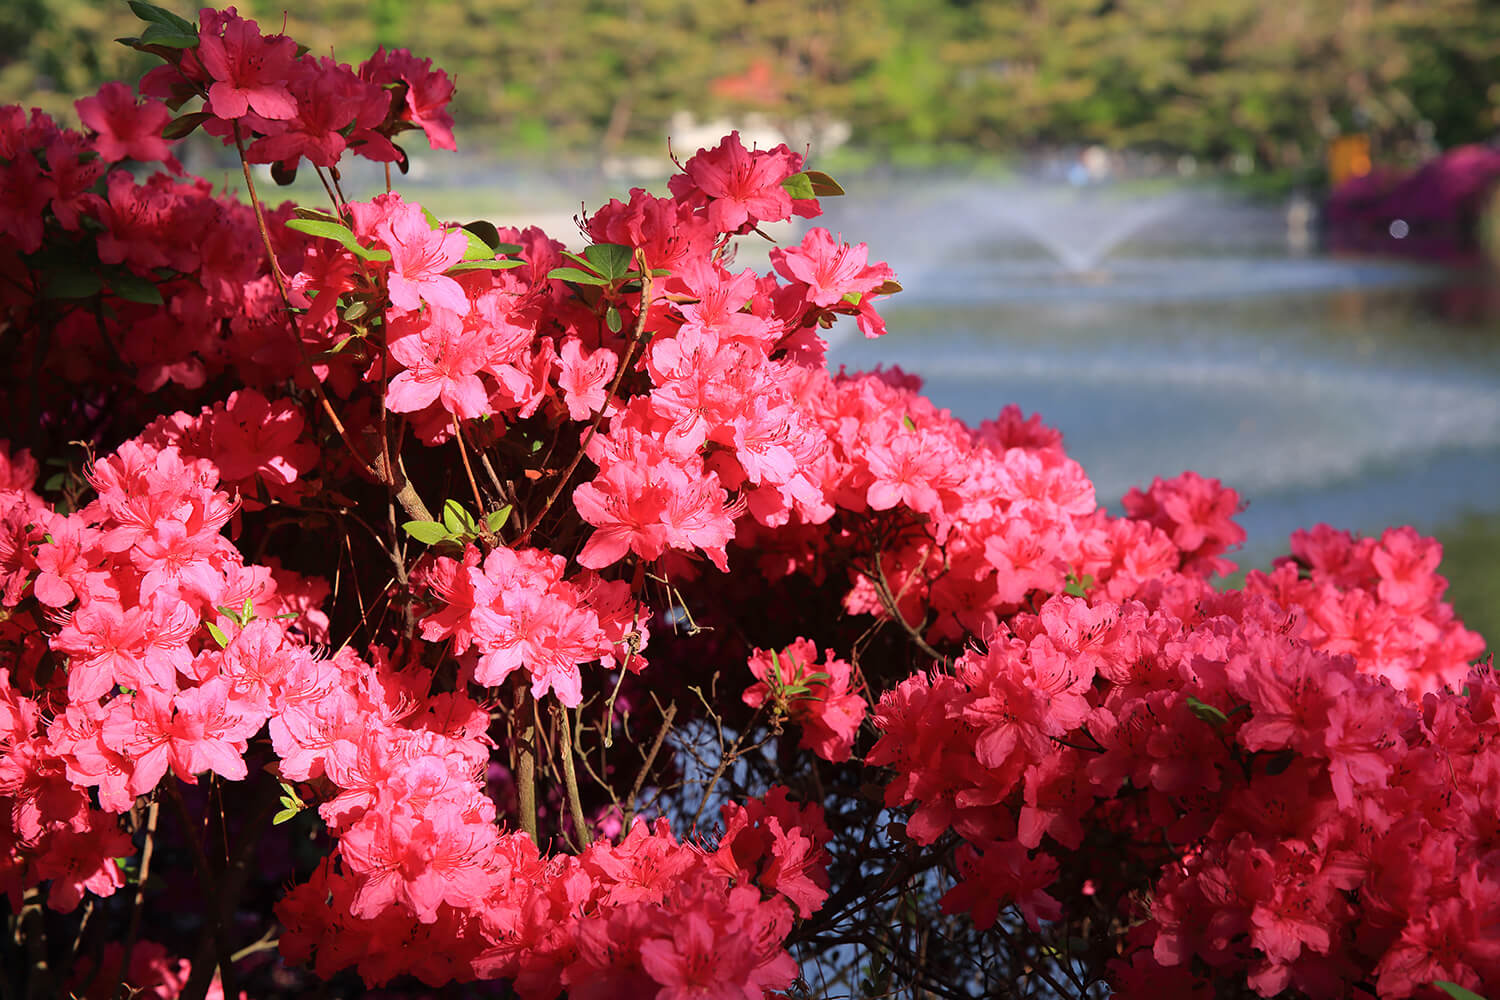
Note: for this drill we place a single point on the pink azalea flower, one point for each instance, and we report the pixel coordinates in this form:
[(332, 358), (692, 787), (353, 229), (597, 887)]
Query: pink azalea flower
[(248, 70)]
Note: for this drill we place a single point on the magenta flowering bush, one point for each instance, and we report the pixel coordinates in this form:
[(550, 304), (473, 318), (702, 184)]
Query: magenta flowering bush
[(396, 603)]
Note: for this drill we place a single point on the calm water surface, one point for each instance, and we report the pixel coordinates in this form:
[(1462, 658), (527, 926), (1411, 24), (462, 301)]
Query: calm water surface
[(1363, 394)]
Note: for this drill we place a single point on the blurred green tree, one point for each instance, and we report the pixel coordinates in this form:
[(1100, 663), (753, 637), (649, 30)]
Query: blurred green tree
[(1215, 78)]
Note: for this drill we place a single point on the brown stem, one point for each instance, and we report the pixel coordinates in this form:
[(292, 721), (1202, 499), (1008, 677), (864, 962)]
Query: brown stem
[(381, 470), (458, 435), (260, 219), (526, 759), (139, 902), (32, 930), (225, 891), (570, 777), (410, 502), (889, 601), (650, 758), (331, 196)]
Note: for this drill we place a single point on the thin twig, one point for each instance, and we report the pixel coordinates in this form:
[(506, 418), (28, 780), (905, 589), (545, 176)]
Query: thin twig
[(650, 758), (138, 904), (570, 777)]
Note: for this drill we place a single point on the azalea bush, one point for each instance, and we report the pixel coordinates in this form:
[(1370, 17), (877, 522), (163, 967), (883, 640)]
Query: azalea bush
[(390, 602)]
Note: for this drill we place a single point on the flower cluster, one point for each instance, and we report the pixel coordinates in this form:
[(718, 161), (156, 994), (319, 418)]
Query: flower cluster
[(814, 695), (240, 586), (1292, 782)]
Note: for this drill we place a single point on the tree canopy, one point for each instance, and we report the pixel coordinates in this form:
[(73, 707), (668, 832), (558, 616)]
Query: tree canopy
[(1212, 78)]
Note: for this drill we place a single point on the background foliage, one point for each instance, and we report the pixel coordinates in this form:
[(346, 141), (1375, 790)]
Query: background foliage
[(1213, 78)]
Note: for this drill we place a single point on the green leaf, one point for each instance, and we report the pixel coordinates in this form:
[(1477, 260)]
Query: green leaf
[(457, 520), (908, 422), (184, 125), (218, 634), (370, 253), (432, 220), (426, 532), (134, 288), (823, 186), (612, 319), (490, 236), (159, 15), (486, 232), (1456, 991), (355, 310), (284, 816), (799, 186), (1206, 712), (172, 38), (485, 265), (576, 276), (313, 213), (72, 285), (610, 259), (247, 613), (339, 232), (495, 519), (325, 229), (1078, 586), (477, 249), (853, 298)]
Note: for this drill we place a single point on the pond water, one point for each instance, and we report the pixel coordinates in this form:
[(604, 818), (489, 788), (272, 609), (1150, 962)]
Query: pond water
[(1172, 330)]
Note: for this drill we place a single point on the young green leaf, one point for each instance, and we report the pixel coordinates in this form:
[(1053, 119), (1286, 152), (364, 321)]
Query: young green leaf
[(317, 214), (477, 249), (495, 519), (1206, 712), (1078, 587), (339, 232), (426, 532), (218, 634), (171, 38), (184, 125), (612, 319), (456, 519), (576, 276), (158, 15), (485, 232), (1456, 991), (799, 186), (485, 265), (610, 259)]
